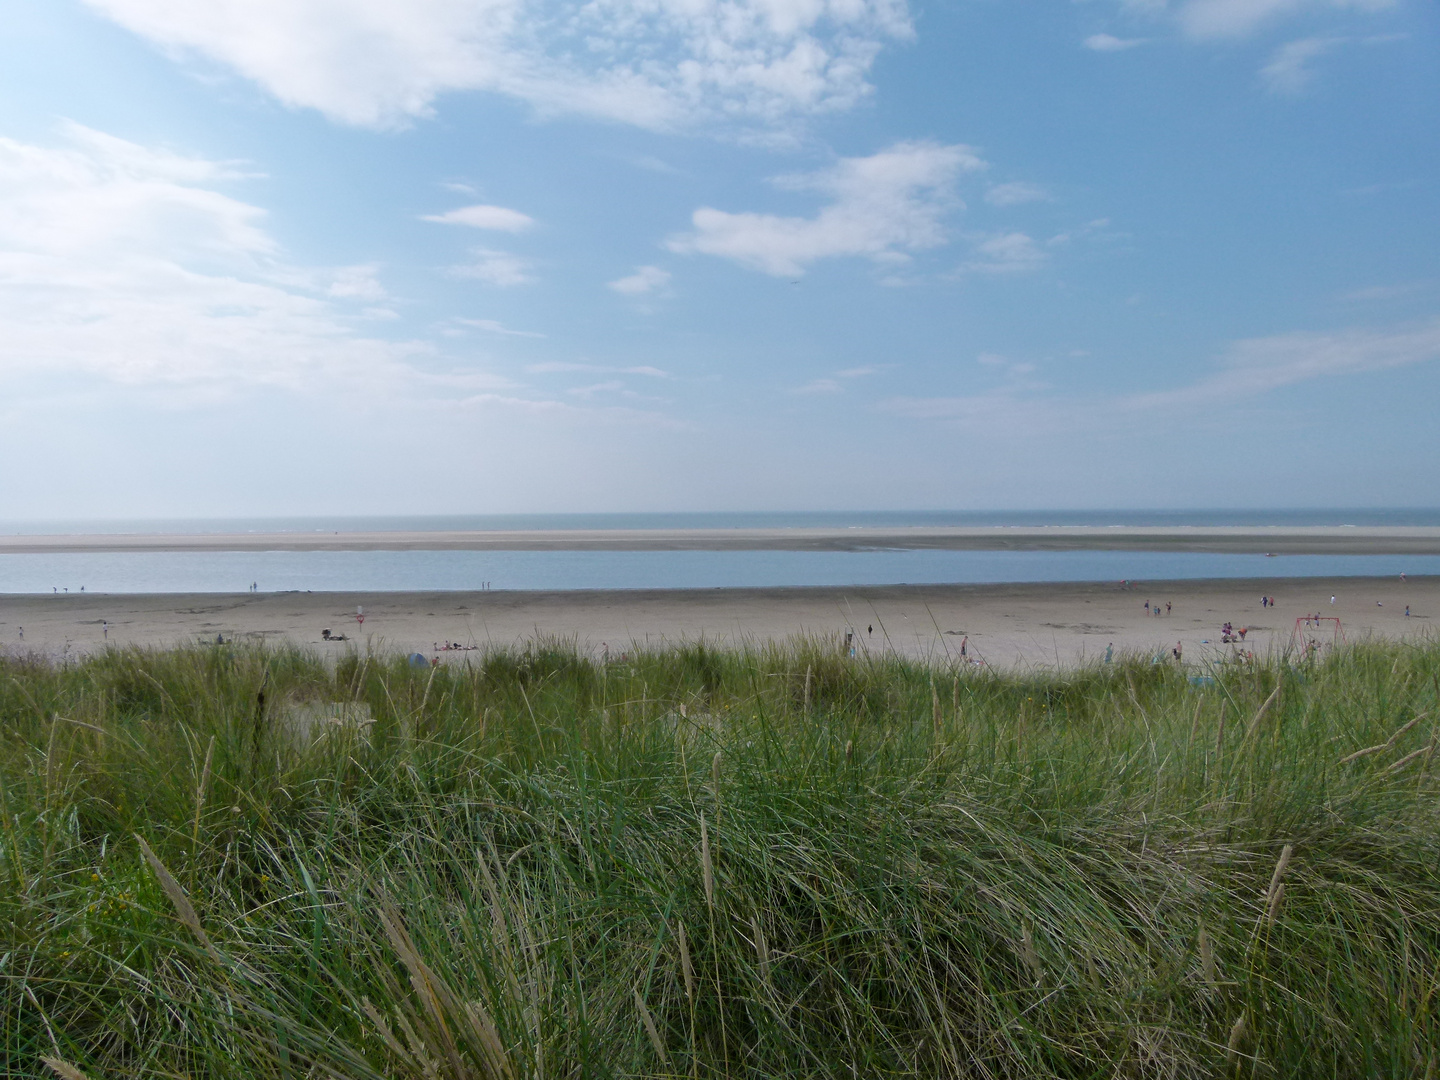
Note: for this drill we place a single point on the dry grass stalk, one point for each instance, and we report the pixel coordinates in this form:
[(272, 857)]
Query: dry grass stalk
[(1275, 899), (200, 791), (935, 707), (386, 1037), (762, 949), (1386, 745), (64, 1069), (1207, 958), (1236, 1040), (440, 1001), (651, 1029), (1264, 708), (808, 673), (1276, 892), (1028, 953), (178, 899), (1424, 751), (706, 870), (686, 969), (1220, 731), (715, 781)]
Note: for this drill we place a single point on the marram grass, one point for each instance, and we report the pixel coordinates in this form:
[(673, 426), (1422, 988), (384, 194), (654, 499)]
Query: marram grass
[(702, 863)]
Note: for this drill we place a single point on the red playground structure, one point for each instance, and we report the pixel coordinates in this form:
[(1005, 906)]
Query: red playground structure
[(1307, 627)]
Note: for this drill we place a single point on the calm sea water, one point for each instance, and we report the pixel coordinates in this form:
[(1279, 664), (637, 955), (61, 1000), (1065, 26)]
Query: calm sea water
[(824, 519), (401, 571)]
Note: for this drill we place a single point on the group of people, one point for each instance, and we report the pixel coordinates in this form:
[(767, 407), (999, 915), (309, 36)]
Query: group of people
[(1155, 608), (453, 646), (1228, 633)]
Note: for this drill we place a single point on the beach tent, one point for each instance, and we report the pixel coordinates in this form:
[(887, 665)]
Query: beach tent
[(418, 660)]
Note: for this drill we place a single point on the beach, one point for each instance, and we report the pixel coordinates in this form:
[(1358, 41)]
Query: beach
[(1008, 626)]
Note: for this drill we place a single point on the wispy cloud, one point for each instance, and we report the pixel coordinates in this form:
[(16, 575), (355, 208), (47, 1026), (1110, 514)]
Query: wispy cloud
[(564, 366), (1005, 253), (481, 216), (882, 207), (131, 265), (1110, 43), (497, 268), (1289, 71), (1205, 19), (1245, 373), (646, 279), (490, 326), (656, 63), (833, 383), (1257, 366), (1015, 193)]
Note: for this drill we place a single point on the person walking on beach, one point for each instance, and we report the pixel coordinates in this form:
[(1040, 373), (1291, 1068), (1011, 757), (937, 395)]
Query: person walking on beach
[(1332, 601), (105, 629), (1147, 607), (964, 644), (1109, 652), (1167, 607)]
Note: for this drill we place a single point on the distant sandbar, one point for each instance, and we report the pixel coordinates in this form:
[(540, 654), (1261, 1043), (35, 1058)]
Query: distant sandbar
[(1276, 540)]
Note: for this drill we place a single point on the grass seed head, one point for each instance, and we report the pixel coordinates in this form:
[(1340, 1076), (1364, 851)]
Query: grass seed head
[(707, 872)]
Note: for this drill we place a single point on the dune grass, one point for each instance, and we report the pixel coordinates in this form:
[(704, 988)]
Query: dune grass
[(701, 863)]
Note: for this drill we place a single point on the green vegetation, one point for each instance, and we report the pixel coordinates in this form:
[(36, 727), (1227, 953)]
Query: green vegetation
[(776, 863)]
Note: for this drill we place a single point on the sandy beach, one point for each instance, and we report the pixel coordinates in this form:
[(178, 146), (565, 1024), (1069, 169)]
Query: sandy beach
[(1004, 625), (1279, 540)]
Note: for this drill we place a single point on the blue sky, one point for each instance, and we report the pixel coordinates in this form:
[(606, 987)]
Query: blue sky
[(483, 256)]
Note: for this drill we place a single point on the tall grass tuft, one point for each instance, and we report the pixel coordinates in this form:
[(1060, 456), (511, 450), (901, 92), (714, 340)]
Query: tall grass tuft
[(775, 862)]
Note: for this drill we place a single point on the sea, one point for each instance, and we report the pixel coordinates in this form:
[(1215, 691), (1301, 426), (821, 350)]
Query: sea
[(441, 571)]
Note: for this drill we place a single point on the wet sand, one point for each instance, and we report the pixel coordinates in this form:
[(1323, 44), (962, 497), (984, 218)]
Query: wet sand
[(1046, 625), (1280, 540)]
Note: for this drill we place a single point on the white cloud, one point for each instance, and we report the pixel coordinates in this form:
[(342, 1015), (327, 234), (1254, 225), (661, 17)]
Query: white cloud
[(1288, 71), (555, 366), (1015, 193), (656, 63), (1238, 18), (1110, 43), (491, 326), (882, 207), (646, 279), (819, 387), (1258, 365), (500, 218), (1006, 253), (127, 264), (497, 268), (610, 386)]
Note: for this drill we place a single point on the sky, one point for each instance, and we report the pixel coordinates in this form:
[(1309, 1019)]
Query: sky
[(268, 257)]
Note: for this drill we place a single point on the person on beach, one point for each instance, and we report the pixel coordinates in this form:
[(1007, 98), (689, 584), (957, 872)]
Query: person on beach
[(1176, 651), (1264, 601), (1109, 652), (1332, 601), (1407, 611), (1147, 607), (964, 644), (1167, 607), (105, 629)]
